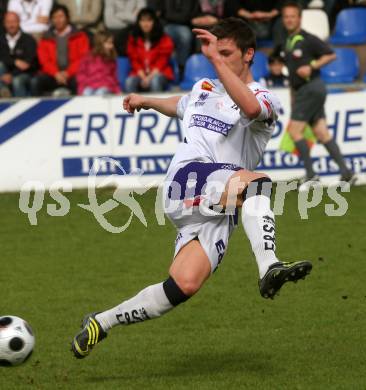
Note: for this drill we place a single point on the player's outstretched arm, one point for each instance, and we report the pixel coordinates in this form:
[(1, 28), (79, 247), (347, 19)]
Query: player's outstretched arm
[(167, 106), (235, 87)]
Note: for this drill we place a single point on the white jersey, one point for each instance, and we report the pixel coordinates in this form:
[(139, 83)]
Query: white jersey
[(215, 129)]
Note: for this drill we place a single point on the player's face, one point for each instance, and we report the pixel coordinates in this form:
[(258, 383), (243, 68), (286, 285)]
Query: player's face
[(291, 19), (233, 56)]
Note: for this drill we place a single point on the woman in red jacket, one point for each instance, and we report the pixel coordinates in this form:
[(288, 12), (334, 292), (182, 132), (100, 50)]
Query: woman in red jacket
[(149, 51), (59, 53)]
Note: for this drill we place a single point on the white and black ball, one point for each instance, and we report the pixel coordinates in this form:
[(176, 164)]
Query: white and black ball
[(16, 341)]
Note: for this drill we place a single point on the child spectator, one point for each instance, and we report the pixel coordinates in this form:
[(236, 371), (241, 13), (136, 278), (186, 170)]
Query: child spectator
[(97, 74), (276, 77), (34, 15), (18, 58), (59, 55), (149, 50)]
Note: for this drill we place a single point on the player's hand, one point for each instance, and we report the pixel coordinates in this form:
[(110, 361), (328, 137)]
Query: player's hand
[(134, 102), (304, 71), (208, 44)]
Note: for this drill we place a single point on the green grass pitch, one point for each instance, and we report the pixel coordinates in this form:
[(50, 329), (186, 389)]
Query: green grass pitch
[(312, 336)]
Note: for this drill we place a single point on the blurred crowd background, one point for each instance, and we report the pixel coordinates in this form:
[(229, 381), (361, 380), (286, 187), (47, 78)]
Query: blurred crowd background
[(99, 47)]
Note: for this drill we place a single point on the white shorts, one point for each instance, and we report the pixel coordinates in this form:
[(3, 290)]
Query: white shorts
[(190, 191)]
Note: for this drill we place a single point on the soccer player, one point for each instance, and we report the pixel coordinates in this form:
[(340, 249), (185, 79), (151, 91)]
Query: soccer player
[(227, 123), (304, 55)]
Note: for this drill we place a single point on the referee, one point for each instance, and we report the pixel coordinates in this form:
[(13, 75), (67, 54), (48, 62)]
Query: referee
[(304, 54)]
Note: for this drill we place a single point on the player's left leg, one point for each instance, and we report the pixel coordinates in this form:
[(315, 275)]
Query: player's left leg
[(322, 133), (188, 272), (252, 191)]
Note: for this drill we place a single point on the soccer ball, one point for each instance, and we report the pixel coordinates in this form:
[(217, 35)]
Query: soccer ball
[(16, 341)]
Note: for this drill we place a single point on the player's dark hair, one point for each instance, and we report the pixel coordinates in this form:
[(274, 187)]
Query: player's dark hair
[(292, 4), (62, 8), (157, 30), (237, 30)]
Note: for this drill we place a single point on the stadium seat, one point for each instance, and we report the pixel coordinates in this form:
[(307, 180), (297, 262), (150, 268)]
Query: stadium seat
[(265, 43), (315, 21), (350, 27), (345, 69), (197, 67), (260, 66), (123, 69)]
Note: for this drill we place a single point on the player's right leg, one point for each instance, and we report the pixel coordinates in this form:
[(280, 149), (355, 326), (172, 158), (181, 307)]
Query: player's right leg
[(188, 272), (252, 191)]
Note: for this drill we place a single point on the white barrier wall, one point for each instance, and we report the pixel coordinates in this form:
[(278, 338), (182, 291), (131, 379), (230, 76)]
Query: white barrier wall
[(52, 140)]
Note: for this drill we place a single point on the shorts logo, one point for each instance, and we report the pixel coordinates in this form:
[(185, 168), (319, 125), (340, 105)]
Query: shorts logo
[(207, 86), (209, 123)]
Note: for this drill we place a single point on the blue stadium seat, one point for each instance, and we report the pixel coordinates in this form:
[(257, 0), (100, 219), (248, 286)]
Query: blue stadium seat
[(345, 69), (260, 66), (197, 67), (350, 27), (265, 43), (123, 69)]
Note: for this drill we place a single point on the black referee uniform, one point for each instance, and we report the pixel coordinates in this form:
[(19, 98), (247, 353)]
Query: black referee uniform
[(309, 95)]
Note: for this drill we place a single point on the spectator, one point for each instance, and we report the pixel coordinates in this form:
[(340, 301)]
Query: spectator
[(119, 16), (34, 15), (83, 13), (18, 58), (276, 77), (149, 51), (97, 74), (3, 9), (177, 16), (211, 12), (263, 17), (59, 54)]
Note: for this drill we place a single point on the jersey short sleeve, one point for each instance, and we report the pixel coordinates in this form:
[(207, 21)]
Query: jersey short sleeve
[(270, 105), (182, 105)]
